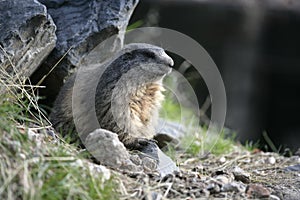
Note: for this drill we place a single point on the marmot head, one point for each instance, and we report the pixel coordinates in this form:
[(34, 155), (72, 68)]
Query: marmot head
[(140, 62), (148, 59)]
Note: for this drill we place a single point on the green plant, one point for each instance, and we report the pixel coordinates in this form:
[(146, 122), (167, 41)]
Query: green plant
[(201, 143), (251, 145), (135, 25)]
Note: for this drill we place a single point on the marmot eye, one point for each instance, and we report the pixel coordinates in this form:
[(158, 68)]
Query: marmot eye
[(150, 54)]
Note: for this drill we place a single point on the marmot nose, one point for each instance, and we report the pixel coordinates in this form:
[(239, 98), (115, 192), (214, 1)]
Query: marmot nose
[(167, 59)]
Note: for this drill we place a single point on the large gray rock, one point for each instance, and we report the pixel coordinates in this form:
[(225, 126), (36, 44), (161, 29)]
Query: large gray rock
[(106, 147), (81, 25), (27, 37)]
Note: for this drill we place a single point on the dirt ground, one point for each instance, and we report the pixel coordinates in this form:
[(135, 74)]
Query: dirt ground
[(238, 175)]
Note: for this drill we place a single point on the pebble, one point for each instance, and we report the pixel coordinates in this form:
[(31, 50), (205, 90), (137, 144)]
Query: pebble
[(80, 163), (233, 187), (293, 168), (295, 159), (154, 196), (136, 159), (257, 191), (241, 175), (273, 197), (130, 167), (223, 179), (205, 192), (23, 156), (149, 164), (51, 133), (271, 160), (213, 188), (247, 160), (222, 160), (106, 174)]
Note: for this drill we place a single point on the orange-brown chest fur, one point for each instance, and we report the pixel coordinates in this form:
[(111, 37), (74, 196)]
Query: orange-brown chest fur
[(145, 103)]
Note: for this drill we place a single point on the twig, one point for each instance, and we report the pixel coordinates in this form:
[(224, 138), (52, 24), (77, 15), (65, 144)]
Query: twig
[(56, 64)]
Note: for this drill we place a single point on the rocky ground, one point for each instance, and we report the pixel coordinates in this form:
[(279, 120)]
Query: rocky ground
[(40, 165), (237, 175), (240, 174)]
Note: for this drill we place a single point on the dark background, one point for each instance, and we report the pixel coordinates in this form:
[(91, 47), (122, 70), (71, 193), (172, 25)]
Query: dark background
[(256, 46)]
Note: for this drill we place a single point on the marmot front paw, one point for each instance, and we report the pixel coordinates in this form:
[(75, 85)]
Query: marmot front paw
[(138, 143)]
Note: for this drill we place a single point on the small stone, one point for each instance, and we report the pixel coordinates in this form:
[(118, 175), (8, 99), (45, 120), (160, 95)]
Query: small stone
[(223, 179), (197, 194), (233, 187), (23, 156), (205, 192), (130, 167), (295, 159), (136, 159), (213, 188), (79, 163), (100, 169), (222, 160), (241, 175), (247, 160), (257, 191), (51, 133), (272, 160), (154, 196), (149, 164), (293, 168), (220, 196), (274, 197)]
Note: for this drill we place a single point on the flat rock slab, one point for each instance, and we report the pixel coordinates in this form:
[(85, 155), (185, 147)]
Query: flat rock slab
[(27, 37)]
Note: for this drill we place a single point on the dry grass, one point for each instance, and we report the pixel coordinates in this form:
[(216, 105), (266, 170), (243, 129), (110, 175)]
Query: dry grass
[(34, 164)]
